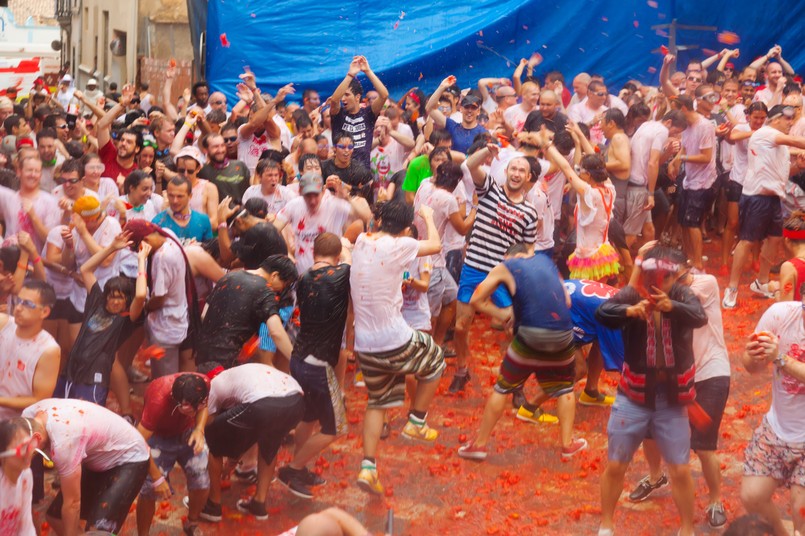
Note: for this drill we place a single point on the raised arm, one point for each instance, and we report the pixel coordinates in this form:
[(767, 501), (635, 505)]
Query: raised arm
[(665, 76), (432, 106), (97, 110), (377, 105), (761, 61), (352, 72), (518, 75), (87, 270), (104, 126), (477, 159)]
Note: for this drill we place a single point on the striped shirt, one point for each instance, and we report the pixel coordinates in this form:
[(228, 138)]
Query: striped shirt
[(499, 224)]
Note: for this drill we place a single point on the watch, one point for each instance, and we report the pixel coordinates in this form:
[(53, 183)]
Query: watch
[(779, 361)]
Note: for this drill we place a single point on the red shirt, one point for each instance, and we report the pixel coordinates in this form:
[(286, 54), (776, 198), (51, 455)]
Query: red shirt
[(160, 414), (108, 154)]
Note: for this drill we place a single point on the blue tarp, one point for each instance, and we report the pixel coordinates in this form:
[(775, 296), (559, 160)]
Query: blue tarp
[(418, 44)]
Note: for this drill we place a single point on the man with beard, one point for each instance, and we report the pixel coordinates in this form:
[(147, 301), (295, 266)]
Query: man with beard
[(51, 158), (548, 114), (119, 158), (231, 177)]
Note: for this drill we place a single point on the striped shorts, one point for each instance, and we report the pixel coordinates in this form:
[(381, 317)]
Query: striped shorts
[(266, 342), (555, 371), (385, 372)]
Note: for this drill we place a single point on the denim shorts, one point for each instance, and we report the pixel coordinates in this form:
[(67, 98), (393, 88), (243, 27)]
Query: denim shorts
[(629, 423), (167, 452)]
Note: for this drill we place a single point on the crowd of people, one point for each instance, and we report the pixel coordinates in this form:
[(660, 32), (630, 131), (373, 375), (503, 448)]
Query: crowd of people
[(248, 251)]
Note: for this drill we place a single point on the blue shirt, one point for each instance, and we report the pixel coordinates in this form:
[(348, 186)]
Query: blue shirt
[(198, 228), (539, 299), (586, 296), (462, 137)]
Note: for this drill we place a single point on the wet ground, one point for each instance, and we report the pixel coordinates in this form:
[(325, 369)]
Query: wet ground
[(523, 488)]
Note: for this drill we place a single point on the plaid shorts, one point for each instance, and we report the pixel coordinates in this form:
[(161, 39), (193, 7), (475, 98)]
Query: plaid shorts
[(768, 455)]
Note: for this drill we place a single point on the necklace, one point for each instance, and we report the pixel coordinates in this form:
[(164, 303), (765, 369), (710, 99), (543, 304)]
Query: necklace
[(181, 217)]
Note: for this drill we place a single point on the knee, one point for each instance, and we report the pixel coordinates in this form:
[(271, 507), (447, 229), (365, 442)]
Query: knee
[(616, 469), (752, 498), (679, 472)]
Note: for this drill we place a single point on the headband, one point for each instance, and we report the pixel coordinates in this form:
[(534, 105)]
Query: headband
[(215, 372), (794, 235), (414, 97), (659, 264)]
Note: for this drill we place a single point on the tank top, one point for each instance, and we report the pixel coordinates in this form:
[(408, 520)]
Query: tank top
[(18, 360), (539, 299), (799, 264), (197, 196)]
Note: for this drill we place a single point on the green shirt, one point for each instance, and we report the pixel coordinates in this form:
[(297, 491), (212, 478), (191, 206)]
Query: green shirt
[(418, 170)]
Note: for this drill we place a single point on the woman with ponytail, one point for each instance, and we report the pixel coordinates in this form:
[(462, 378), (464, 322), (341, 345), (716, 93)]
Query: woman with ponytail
[(792, 272)]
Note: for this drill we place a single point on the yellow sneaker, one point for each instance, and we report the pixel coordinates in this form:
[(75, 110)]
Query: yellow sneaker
[(369, 481), (601, 400), (420, 433), (359, 379), (536, 417)]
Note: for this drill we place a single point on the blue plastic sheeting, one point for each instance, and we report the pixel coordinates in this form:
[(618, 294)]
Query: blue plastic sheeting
[(418, 44)]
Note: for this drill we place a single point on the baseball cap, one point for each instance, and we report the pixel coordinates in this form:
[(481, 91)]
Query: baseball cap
[(92, 82), (66, 79), (87, 206), (779, 109), (191, 151), (310, 183), (9, 145), (469, 100)]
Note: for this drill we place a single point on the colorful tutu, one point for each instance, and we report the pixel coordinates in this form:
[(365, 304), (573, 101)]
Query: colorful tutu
[(602, 264)]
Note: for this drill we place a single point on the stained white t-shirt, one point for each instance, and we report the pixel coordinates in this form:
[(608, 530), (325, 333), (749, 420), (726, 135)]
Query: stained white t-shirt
[(169, 323), (515, 116), (62, 284), (416, 308), (16, 516), (452, 239), (695, 139), (331, 216), (768, 164), (594, 210), (276, 201), (376, 287), (444, 204), (44, 205), (539, 198), (249, 383), (787, 413), (85, 434), (650, 136), (709, 350), (740, 155)]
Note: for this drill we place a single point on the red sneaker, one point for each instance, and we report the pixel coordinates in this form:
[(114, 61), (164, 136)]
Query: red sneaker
[(471, 452), (576, 446)]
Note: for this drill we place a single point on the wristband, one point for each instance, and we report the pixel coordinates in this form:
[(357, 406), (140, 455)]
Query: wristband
[(350, 75), (638, 261), (779, 361), (22, 266), (223, 225), (37, 259), (140, 274), (158, 482)]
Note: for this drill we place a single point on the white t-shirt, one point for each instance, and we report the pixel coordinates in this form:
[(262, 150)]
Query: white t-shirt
[(709, 349), (16, 517), (276, 201), (740, 155), (695, 139), (546, 224), (169, 323), (85, 434), (62, 284), (444, 205), (581, 113), (593, 211), (376, 287), (515, 116), (250, 149), (47, 180), (416, 308), (650, 136), (452, 239), (104, 235), (768, 164), (249, 383), (18, 361), (787, 413), (45, 207), (286, 136), (332, 216)]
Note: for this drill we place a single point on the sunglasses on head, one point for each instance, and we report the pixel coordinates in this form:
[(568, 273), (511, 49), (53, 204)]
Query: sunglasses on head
[(344, 147), (231, 139), (149, 143)]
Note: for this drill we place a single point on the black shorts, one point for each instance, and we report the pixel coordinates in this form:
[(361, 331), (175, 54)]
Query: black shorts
[(759, 216), (733, 191), (616, 235), (266, 422), (711, 395), (324, 400), (693, 205), (662, 206), (65, 310), (106, 497)]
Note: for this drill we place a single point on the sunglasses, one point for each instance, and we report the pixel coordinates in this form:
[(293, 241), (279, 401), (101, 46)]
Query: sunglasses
[(694, 79), (185, 170), (711, 97), (231, 139), (135, 101), (64, 126), (600, 93), (344, 147), (471, 107), (325, 146), (787, 112), (71, 181), (28, 304)]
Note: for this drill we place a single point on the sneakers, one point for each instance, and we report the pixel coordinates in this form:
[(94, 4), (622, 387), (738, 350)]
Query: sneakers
[(294, 480), (448, 352), (459, 383), (535, 417), (250, 506), (191, 529), (576, 446), (600, 400), (645, 488), (716, 517), (421, 433), (471, 452), (369, 481), (518, 399), (359, 380), (730, 298), (247, 477), (210, 512), (761, 289), (311, 479)]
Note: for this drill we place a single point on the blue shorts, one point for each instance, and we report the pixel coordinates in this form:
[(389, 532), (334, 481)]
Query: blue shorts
[(167, 452), (95, 393), (610, 344), (630, 423), (266, 342), (471, 278)]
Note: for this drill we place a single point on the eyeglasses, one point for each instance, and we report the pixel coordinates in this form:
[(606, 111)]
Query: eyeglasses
[(185, 170), (63, 126), (694, 79), (600, 93), (344, 147), (231, 139), (71, 181), (28, 304)]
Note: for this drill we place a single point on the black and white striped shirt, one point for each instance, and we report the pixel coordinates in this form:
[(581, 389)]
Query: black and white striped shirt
[(499, 224)]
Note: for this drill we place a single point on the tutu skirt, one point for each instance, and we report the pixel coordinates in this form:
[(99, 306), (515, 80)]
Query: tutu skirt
[(601, 264)]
